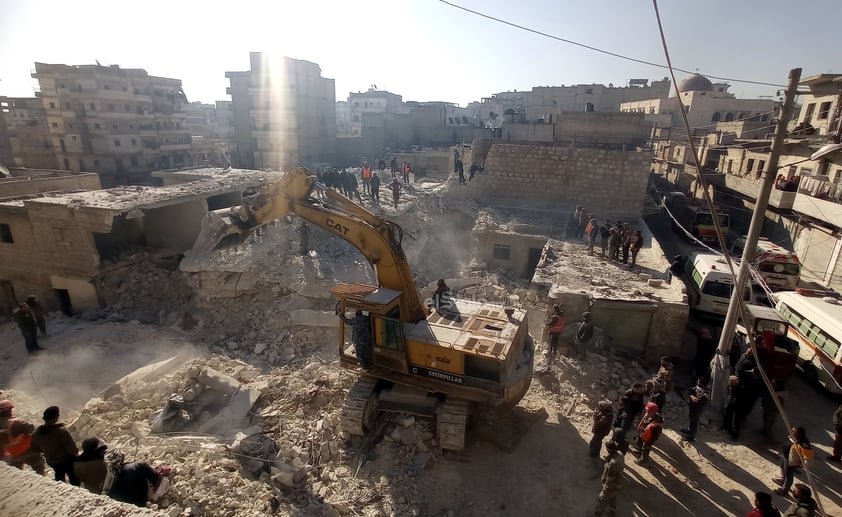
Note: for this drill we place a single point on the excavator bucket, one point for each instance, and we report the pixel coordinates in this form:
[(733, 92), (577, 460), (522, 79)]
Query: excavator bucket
[(220, 229)]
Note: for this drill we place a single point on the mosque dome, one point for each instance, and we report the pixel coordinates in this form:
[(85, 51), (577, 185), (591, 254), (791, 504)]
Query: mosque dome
[(695, 83)]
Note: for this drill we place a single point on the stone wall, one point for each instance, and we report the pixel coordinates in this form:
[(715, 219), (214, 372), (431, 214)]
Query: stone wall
[(545, 176), (34, 184)]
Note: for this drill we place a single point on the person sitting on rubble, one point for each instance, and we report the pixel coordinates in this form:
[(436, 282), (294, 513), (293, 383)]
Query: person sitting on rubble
[(361, 337), (129, 482), (90, 465)]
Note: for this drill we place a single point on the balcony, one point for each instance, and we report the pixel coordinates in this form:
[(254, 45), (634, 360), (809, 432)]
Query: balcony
[(749, 187)]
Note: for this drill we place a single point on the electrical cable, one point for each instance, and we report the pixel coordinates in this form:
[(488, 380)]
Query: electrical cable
[(602, 51)]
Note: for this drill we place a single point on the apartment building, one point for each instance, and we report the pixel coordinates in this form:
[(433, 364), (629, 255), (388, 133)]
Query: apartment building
[(284, 113), (119, 122), (371, 101), (28, 133)]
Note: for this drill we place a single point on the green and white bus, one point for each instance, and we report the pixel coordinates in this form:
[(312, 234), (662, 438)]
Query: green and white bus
[(815, 319)]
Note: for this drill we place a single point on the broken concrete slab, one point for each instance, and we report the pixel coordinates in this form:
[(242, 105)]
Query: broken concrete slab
[(312, 318)]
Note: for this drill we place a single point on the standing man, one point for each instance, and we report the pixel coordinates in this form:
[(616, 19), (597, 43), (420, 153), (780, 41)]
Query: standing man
[(394, 167), (351, 186), (592, 229), (57, 445), (90, 465), (361, 337), (666, 372), (456, 158), (395, 186), (612, 473), (699, 397), (648, 431), (635, 244), (366, 176), (406, 169), (837, 436), (441, 296), (375, 188), (603, 418), (604, 235), (584, 336), (38, 312), (555, 326), (631, 405), (625, 239), (614, 243), (28, 326), (794, 455)]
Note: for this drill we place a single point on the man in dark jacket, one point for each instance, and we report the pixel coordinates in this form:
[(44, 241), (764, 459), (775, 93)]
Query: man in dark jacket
[(28, 325), (584, 335), (90, 466), (38, 312), (361, 337), (699, 397), (57, 445), (602, 422), (375, 188), (133, 483)]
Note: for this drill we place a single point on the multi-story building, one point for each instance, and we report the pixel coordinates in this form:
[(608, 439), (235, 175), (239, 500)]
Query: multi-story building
[(706, 104), (372, 101), (6, 156), (29, 136), (284, 113), (121, 123)]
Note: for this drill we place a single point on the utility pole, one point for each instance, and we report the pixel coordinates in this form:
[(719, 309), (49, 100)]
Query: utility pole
[(758, 217)]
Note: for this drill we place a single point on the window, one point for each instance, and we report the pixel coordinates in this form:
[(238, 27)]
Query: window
[(128, 108), (750, 166), (61, 85), (73, 137), (133, 161), (125, 89), (760, 165), (55, 124), (824, 110), (67, 105), (92, 106), (134, 142), (110, 107), (114, 126), (106, 87), (70, 125), (96, 126), (589, 91), (131, 126), (116, 142), (52, 105), (96, 163), (66, 164), (6, 233), (136, 91), (502, 252), (808, 115)]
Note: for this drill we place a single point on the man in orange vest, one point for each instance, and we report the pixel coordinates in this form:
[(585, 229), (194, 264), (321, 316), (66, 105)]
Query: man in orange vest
[(366, 176), (555, 325), (15, 440), (406, 170)]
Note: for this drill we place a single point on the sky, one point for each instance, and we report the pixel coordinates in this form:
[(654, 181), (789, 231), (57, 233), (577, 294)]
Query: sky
[(424, 49)]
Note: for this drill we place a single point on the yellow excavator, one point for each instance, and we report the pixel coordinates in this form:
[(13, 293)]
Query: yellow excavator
[(442, 363)]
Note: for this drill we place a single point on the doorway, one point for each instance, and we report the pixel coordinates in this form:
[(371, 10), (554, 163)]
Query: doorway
[(8, 300), (532, 261), (63, 298)]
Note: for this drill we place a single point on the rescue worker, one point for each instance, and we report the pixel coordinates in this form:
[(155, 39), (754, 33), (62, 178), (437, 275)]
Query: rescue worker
[(635, 243), (441, 296), (699, 397), (28, 325), (374, 186), (555, 326), (58, 446), (603, 417), (361, 337), (584, 336), (38, 312), (90, 466), (405, 170), (395, 186), (591, 229), (16, 441), (612, 473), (648, 431), (366, 177)]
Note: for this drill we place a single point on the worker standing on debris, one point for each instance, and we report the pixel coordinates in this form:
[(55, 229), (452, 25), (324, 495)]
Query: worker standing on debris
[(351, 186), (555, 326), (625, 239), (395, 186), (361, 337), (28, 325), (603, 417), (90, 465), (612, 473), (38, 312), (406, 169), (592, 229), (394, 165), (635, 244), (604, 235), (648, 431), (666, 372), (58, 446), (16, 440), (699, 398), (374, 187), (442, 296), (584, 336), (614, 243), (366, 177)]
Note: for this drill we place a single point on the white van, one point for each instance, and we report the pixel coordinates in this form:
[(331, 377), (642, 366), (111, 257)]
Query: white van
[(710, 284)]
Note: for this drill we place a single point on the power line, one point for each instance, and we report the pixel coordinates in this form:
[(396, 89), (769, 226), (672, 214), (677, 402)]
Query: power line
[(602, 51)]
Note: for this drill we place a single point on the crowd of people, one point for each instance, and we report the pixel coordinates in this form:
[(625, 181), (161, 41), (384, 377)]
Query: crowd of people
[(96, 469), (637, 424), (618, 239), (346, 182)]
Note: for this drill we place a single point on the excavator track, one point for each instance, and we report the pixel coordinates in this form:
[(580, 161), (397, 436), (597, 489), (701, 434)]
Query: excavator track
[(452, 424), (360, 407)]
